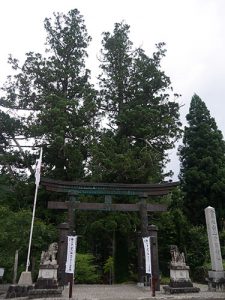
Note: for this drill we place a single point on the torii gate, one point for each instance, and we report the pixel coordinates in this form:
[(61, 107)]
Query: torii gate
[(141, 191)]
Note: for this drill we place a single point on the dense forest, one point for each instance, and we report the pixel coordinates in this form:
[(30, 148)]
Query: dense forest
[(117, 131)]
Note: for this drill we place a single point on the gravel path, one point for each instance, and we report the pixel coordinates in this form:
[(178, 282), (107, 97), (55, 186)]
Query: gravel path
[(133, 292), (128, 292)]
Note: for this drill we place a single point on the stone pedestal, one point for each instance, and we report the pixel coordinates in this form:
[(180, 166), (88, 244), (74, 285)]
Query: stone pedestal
[(23, 288), (180, 281), (17, 291), (216, 281), (47, 283), (45, 293), (47, 277), (25, 279)]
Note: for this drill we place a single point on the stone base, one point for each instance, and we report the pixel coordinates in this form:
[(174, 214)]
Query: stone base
[(48, 271), (180, 286), (46, 283), (178, 273), (216, 281), (178, 290), (25, 279), (15, 291), (216, 275), (45, 293), (47, 277), (181, 283)]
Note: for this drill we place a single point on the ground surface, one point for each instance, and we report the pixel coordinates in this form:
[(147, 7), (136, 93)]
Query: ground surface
[(133, 292), (130, 292)]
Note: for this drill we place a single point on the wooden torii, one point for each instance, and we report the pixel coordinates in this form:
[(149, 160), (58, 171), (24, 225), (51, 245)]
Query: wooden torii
[(141, 191)]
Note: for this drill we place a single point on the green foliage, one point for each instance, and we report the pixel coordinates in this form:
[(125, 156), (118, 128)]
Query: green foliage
[(202, 164), (61, 102), (199, 274), (86, 271), (175, 229), (14, 235), (59, 113), (109, 270), (109, 265), (62, 110), (143, 122), (164, 280), (197, 246), (222, 241)]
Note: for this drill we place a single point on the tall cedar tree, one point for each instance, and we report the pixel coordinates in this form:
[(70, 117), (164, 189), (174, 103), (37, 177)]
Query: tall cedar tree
[(142, 122), (59, 103), (202, 159)]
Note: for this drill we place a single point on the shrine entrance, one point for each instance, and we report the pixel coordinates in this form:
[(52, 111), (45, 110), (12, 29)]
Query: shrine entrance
[(141, 191)]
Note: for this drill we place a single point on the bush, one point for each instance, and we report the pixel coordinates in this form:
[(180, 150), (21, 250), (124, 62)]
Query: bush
[(86, 271), (199, 274)]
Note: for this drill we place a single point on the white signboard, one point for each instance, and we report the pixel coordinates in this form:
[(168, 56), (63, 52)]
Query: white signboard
[(147, 247), (71, 254)]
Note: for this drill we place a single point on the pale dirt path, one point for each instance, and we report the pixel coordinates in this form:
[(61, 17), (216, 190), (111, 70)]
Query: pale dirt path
[(133, 292), (128, 292)]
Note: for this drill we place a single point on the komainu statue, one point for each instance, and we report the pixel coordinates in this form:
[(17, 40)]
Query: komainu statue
[(180, 281), (176, 256), (49, 257)]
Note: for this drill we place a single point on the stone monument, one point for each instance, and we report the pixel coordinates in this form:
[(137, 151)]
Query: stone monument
[(216, 279), (47, 277), (179, 274), (47, 283)]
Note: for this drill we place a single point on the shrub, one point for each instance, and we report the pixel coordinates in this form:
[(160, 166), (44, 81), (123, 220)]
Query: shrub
[(86, 271)]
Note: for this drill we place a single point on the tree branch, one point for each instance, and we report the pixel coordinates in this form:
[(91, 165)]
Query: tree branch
[(22, 153)]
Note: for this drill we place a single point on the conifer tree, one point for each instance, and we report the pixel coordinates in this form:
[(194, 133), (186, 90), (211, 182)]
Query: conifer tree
[(51, 101), (143, 122), (202, 159)]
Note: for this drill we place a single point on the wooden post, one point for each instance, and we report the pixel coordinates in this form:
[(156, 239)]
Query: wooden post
[(71, 221), (15, 267), (144, 232), (153, 281), (71, 285), (71, 275), (63, 233), (152, 229), (153, 286), (113, 256), (71, 209)]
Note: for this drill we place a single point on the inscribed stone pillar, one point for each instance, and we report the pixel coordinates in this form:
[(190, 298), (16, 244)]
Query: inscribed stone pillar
[(213, 237)]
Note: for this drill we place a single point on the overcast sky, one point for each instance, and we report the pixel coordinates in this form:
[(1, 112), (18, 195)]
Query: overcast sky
[(193, 30)]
